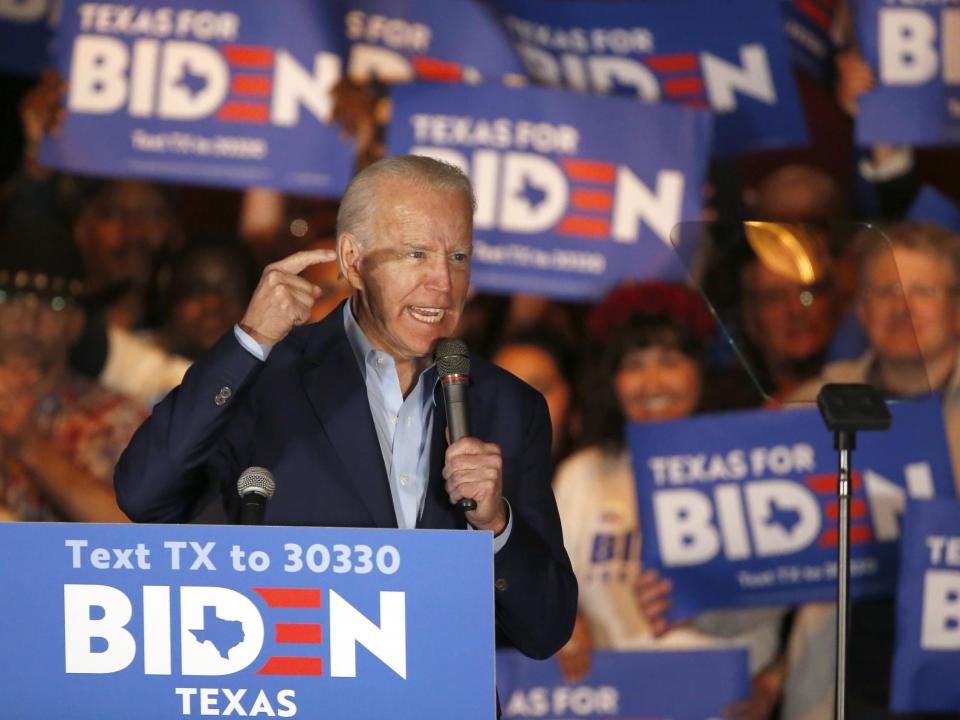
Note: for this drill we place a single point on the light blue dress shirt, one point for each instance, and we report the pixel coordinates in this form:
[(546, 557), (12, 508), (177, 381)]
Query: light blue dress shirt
[(404, 425)]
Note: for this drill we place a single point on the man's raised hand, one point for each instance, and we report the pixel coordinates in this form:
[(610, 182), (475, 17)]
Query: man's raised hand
[(282, 298)]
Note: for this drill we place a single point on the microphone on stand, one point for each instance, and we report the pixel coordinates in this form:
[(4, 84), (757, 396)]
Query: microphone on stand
[(453, 366), (255, 486)]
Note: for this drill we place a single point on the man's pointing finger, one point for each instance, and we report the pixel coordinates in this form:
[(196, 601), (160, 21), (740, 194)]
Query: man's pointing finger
[(300, 261)]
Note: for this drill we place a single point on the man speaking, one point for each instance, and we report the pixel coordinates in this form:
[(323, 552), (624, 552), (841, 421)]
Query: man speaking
[(346, 413)]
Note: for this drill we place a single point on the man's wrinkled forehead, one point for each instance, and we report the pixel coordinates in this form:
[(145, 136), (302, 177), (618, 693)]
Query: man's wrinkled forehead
[(423, 214)]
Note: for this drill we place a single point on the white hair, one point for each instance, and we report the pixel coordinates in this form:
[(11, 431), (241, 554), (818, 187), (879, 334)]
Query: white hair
[(359, 200)]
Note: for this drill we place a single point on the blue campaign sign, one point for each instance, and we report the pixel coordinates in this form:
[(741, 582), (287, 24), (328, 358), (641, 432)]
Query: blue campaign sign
[(574, 192), (217, 92), (162, 621), (740, 509), (914, 50), (650, 684), (730, 56), (926, 663), (25, 35), (931, 205), (437, 40)]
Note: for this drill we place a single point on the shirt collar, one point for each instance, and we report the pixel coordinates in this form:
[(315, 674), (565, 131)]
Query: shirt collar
[(362, 348)]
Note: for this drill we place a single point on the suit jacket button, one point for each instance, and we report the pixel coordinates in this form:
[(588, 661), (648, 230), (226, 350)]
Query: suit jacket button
[(500, 584), (222, 396)]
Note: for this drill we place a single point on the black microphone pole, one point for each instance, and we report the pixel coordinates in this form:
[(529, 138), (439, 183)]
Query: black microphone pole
[(847, 408)]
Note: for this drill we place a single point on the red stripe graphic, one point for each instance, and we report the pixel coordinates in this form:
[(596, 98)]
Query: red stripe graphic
[(251, 56), (234, 111), (826, 484), (815, 13), (858, 509), (292, 666), (599, 200), (859, 534), (589, 171), (684, 62), (436, 70), (584, 226), (289, 597), (256, 85), (683, 86), (299, 633)]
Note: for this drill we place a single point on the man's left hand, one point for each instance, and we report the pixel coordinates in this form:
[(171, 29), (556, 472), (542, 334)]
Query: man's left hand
[(473, 469)]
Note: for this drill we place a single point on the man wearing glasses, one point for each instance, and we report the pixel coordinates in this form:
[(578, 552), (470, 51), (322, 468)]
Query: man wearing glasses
[(909, 307)]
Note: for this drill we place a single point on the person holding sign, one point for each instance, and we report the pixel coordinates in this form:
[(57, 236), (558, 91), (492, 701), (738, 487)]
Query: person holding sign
[(651, 340), (909, 306), (60, 433), (344, 412)]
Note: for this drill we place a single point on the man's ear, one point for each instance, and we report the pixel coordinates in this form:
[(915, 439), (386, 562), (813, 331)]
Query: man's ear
[(350, 255)]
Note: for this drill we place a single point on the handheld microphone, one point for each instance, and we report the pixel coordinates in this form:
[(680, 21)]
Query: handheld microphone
[(453, 366), (255, 486)]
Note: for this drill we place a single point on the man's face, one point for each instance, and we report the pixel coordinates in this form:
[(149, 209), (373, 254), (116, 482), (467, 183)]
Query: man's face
[(121, 233), (415, 271), (787, 320), (212, 298), (35, 337), (909, 305), (38, 330)]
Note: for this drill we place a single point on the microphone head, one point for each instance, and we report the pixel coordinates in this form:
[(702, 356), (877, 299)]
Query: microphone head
[(256, 480), (452, 357)]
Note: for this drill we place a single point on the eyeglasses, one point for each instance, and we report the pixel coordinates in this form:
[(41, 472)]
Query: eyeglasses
[(916, 292)]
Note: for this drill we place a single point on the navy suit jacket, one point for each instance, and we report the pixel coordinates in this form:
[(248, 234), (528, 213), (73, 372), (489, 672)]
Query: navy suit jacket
[(304, 415)]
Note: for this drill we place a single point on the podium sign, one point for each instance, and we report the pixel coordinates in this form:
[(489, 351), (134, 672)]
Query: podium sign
[(168, 621)]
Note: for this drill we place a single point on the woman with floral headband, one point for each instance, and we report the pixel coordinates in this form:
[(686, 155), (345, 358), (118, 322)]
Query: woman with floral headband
[(650, 342)]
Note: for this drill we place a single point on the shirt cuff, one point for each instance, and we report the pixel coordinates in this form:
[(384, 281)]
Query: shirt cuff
[(897, 164), (258, 350), (500, 540)]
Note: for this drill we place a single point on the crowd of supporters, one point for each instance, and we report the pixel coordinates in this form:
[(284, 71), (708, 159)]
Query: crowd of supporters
[(109, 288)]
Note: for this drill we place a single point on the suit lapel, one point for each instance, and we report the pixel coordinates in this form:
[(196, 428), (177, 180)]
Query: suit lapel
[(335, 387)]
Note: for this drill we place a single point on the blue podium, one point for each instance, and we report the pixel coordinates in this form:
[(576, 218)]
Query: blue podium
[(168, 621)]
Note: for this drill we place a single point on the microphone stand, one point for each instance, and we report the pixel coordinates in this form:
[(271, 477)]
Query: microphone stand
[(847, 408)]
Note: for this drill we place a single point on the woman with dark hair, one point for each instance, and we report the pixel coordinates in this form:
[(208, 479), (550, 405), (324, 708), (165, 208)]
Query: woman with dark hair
[(650, 344)]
